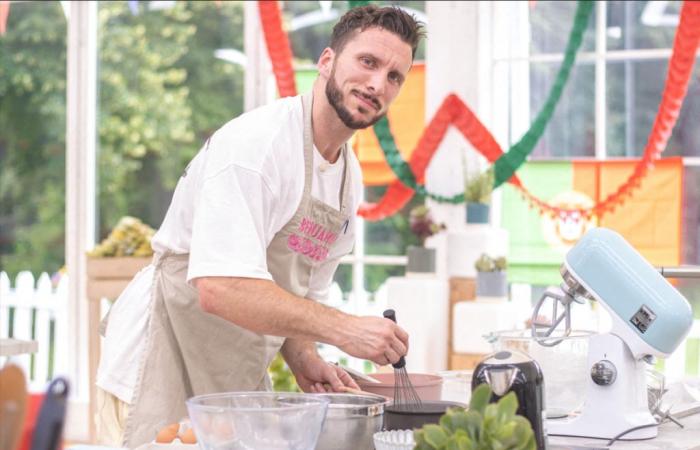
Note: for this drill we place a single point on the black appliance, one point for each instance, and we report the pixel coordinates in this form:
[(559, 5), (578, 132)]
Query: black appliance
[(512, 371)]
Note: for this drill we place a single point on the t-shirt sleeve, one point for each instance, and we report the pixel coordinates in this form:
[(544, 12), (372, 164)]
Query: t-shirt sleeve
[(231, 222)]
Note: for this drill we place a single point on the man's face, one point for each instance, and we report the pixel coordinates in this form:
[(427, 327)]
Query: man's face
[(366, 76)]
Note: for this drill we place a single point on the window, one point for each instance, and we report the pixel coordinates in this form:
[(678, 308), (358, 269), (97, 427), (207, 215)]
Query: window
[(170, 74), (612, 97), (32, 139)]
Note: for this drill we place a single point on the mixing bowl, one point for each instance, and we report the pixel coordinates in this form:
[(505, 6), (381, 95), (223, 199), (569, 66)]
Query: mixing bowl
[(428, 387), (257, 420), (351, 421), (417, 416), (564, 366)]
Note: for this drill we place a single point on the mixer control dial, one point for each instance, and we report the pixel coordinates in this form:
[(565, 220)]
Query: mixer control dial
[(603, 373)]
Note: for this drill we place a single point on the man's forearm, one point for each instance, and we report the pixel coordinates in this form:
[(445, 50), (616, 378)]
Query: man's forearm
[(263, 307)]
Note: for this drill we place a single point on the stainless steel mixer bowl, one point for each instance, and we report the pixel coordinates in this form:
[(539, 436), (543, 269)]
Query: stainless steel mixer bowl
[(351, 421)]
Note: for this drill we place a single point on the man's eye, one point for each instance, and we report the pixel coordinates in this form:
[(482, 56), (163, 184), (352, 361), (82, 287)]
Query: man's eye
[(367, 61)]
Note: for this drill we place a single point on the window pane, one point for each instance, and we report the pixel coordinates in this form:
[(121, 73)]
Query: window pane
[(392, 235), (571, 131), (375, 276), (310, 24), (167, 81), (634, 91), (32, 138), (551, 23), (641, 24), (690, 236)]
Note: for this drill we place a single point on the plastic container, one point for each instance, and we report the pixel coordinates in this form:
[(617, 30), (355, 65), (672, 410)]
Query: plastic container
[(564, 366), (427, 386), (456, 385), (257, 420)]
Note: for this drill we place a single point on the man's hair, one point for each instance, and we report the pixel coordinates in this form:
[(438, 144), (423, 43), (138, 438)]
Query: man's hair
[(389, 18)]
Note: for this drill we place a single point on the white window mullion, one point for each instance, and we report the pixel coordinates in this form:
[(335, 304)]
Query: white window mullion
[(600, 80)]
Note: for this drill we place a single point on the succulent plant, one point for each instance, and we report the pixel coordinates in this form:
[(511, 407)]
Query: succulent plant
[(485, 263), (483, 426), (422, 224), (478, 188)]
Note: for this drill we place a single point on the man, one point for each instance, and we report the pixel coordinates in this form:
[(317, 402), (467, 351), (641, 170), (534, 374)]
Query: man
[(255, 231)]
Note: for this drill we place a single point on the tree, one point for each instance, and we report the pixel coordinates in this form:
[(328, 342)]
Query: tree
[(161, 93)]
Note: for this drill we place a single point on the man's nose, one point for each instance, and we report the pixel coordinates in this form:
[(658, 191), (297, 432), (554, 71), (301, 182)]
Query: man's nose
[(377, 83)]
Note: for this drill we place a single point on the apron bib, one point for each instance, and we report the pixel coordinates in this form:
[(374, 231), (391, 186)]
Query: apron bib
[(189, 352)]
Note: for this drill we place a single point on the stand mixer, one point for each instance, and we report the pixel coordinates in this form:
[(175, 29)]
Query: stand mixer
[(650, 318)]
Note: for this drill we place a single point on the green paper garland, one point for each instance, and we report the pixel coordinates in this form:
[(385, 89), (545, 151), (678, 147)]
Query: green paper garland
[(506, 165)]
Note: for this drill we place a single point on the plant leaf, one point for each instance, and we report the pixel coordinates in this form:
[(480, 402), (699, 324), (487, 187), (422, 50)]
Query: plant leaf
[(480, 398), (435, 435), (507, 406)]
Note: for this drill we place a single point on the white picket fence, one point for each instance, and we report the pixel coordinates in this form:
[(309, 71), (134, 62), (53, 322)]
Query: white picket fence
[(36, 311)]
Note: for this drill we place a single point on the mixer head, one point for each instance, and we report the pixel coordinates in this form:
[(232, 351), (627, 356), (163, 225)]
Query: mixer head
[(647, 312)]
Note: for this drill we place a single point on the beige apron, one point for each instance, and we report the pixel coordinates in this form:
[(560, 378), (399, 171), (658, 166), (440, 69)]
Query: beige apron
[(190, 352)]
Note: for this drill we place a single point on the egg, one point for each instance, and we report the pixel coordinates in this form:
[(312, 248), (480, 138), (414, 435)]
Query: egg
[(168, 433), (188, 437)]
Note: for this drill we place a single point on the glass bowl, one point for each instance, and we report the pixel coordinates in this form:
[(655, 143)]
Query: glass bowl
[(257, 420), (394, 440), (564, 366)]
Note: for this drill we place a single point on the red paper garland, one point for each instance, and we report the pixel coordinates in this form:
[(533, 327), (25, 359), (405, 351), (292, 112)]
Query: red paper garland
[(277, 43)]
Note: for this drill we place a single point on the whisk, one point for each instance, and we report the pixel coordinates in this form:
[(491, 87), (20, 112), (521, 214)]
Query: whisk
[(405, 395)]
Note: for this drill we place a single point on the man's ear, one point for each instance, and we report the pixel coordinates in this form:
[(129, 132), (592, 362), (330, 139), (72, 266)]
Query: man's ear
[(325, 62)]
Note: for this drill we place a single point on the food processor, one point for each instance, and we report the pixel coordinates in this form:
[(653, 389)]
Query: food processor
[(650, 318)]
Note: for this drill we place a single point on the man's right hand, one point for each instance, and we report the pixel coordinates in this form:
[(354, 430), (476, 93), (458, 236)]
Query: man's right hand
[(375, 338)]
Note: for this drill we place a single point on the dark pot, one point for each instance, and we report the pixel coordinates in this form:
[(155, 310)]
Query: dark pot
[(420, 259), (477, 213), (429, 412)]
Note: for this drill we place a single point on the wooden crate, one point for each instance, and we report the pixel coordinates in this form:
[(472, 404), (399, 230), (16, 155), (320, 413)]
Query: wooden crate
[(461, 289), (464, 361)]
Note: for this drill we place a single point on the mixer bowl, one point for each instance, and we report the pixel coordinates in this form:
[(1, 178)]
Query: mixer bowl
[(257, 420), (564, 366)]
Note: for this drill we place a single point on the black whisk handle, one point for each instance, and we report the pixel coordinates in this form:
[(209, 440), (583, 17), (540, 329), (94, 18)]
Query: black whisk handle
[(391, 315)]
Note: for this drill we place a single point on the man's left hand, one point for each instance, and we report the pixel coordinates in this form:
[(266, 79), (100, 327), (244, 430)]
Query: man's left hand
[(313, 374)]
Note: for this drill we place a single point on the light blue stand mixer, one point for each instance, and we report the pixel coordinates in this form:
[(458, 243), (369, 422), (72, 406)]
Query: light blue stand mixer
[(650, 318)]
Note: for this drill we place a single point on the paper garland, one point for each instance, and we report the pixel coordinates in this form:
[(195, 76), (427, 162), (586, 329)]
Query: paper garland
[(680, 68), (278, 47)]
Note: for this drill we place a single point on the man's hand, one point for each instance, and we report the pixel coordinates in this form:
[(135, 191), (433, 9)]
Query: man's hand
[(377, 339), (313, 374)]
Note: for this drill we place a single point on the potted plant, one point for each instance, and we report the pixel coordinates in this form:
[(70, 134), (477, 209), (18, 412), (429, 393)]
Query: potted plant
[(491, 280), (483, 426), (477, 195), (420, 258)]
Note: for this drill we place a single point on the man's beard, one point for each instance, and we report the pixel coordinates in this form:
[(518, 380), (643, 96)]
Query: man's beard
[(335, 98)]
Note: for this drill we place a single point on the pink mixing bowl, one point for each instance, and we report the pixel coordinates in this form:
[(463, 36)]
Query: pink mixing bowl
[(428, 387)]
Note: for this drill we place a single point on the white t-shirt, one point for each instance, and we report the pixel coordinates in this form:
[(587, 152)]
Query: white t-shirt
[(232, 199)]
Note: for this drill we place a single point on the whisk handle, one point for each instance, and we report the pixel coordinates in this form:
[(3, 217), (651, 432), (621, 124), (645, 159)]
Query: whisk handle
[(391, 315)]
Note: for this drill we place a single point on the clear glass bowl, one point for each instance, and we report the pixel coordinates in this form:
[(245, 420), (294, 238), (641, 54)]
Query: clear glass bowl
[(564, 366), (257, 420)]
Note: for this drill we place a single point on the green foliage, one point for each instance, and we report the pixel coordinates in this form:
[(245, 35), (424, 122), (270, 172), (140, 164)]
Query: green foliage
[(483, 426), (485, 263), (478, 188), (161, 93), (282, 378)]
